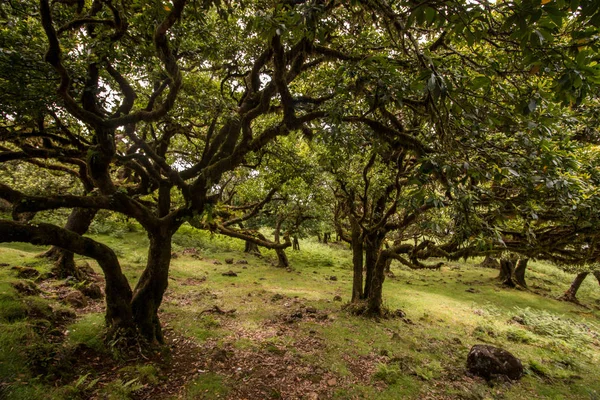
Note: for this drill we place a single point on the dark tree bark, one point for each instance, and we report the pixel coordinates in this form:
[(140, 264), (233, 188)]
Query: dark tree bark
[(251, 248), (79, 222), (372, 248), (375, 266), (357, 261), (282, 260), (519, 272), (571, 294), (319, 238), (295, 243), (489, 262), (507, 267), (375, 299), (148, 293)]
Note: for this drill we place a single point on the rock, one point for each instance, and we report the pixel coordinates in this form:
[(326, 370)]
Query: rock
[(398, 313), (229, 273), (333, 278), (4, 265), (332, 382), (75, 299), (217, 262), (26, 272), (241, 262), (277, 297), (229, 261), (337, 298), (27, 288), (472, 290), (488, 362), (296, 315), (92, 290), (174, 255), (311, 310)]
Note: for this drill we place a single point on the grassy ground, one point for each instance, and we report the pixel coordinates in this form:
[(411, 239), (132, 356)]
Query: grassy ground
[(289, 338)]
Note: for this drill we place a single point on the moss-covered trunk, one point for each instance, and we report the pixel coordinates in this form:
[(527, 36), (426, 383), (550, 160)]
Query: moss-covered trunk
[(148, 293)]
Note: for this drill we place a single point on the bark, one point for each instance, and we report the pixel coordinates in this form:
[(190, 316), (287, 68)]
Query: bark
[(149, 291), (519, 272), (388, 265), (506, 272), (357, 261), (296, 243), (375, 266), (79, 222), (282, 260), (251, 248), (375, 299), (118, 292), (571, 294), (319, 238)]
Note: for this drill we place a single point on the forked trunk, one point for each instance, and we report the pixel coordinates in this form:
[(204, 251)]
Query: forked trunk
[(151, 287)]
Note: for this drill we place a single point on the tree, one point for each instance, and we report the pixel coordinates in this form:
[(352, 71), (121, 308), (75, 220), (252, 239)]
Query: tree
[(156, 103)]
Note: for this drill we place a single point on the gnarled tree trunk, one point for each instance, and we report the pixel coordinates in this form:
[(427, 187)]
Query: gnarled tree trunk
[(375, 266), (357, 260), (519, 272), (507, 267), (251, 248), (375, 299), (571, 294), (148, 293), (295, 243)]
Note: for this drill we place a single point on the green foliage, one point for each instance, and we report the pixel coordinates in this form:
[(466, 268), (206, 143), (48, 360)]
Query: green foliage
[(207, 386), (544, 323), (388, 374), (121, 390)]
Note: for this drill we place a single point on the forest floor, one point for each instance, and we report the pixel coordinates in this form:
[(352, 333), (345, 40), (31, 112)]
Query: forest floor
[(270, 333)]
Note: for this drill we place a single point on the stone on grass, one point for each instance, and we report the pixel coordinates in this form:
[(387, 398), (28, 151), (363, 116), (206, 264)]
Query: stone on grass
[(229, 273), (92, 290), (229, 261), (26, 288), (489, 362), (75, 299), (26, 272)]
